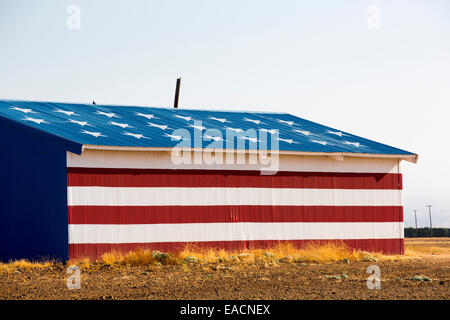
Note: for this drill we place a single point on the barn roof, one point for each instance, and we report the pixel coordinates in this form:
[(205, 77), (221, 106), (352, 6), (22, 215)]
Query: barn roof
[(160, 128)]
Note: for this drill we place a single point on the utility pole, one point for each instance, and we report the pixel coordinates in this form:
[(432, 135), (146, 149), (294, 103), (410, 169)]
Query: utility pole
[(431, 226), (415, 219)]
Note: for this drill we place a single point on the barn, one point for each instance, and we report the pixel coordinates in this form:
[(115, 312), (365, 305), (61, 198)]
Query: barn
[(79, 180)]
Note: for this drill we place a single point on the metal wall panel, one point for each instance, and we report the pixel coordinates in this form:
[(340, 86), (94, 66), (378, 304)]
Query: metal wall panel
[(33, 195), (123, 209)]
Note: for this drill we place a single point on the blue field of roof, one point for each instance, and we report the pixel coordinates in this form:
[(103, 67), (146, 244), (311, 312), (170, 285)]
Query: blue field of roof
[(155, 127)]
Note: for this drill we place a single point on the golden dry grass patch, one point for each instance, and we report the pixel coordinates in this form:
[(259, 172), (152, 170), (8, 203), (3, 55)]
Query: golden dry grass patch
[(283, 252), (23, 264)]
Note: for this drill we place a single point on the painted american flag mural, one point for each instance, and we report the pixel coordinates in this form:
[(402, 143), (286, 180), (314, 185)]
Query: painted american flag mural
[(165, 209), (127, 199)]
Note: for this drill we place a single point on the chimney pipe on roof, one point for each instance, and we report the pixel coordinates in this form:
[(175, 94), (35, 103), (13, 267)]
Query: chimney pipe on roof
[(177, 93)]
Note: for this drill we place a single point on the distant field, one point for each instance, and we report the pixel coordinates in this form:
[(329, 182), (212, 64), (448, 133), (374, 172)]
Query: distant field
[(428, 246), (427, 240), (283, 273)]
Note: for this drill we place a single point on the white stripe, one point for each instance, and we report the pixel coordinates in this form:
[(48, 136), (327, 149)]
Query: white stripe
[(162, 160), (148, 233), (121, 196)]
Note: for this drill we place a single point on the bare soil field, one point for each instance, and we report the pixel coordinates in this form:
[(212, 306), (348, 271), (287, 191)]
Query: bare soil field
[(423, 273)]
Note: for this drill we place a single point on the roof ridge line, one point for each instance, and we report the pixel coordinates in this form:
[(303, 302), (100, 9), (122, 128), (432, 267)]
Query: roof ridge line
[(134, 106)]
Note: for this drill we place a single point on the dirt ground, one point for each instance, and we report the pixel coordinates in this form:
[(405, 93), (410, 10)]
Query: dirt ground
[(416, 276)]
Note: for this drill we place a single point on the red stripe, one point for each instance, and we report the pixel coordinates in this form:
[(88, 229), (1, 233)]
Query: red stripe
[(232, 179), (205, 214), (95, 251)]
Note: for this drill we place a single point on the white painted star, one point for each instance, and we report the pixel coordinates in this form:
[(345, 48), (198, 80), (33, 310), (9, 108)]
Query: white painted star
[(304, 132), (95, 134), (173, 137), (218, 119), (23, 110), (185, 118), (81, 123), (69, 113), (252, 120), (249, 138), (356, 144), (338, 133), (290, 141), (197, 127), (148, 116), (207, 137), (122, 125), (320, 142), (136, 135), (271, 131), (161, 126), (109, 115), (235, 129), (290, 123), (38, 121)]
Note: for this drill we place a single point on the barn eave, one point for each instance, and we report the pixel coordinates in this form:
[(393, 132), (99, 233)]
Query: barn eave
[(334, 155)]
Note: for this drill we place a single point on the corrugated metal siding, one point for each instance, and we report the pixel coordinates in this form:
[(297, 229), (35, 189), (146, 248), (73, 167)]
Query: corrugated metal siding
[(166, 209), (33, 205)]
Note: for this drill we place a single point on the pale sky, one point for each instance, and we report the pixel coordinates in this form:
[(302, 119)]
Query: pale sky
[(331, 62)]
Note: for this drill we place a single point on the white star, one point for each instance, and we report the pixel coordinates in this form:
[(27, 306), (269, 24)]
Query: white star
[(356, 144), (249, 138), (290, 123), (197, 127), (218, 119), (163, 127), (251, 120), (136, 135), (81, 123), (304, 132), (320, 142), (109, 115), (235, 130), (95, 134), (207, 137), (290, 141), (122, 125), (38, 121), (338, 133), (173, 137), (272, 131), (148, 116), (181, 117), (23, 110), (69, 113)]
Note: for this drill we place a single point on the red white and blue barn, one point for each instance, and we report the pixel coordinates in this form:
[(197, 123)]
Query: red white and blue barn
[(79, 180)]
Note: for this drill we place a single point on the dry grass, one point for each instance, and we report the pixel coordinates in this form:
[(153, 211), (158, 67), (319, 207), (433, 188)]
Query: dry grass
[(138, 257), (21, 265), (84, 264), (322, 253), (282, 253)]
